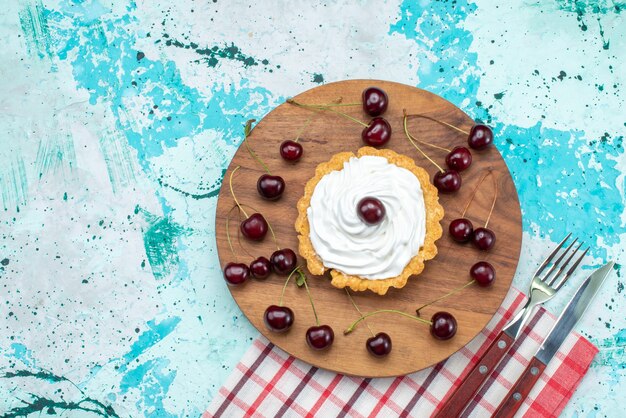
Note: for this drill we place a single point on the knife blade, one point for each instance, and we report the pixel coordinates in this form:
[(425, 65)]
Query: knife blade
[(574, 310)]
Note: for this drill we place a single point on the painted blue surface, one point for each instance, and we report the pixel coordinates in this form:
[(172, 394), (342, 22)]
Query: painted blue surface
[(112, 287)]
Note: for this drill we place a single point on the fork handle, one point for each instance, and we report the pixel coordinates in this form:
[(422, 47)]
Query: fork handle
[(518, 393), (462, 396)]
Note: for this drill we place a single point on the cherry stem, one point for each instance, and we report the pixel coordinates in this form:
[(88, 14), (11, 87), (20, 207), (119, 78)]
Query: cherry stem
[(474, 193), (328, 108), (410, 138), (308, 292), (493, 203), (336, 102), (246, 133), (306, 125), (359, 311), (428, 143), (232, 192), (455, 291), (230, 244), (282, 294), (441, 122), (394, 311), (269, 225)]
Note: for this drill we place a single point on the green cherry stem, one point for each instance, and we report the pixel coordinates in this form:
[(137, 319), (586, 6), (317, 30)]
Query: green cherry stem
[(306, 125), (427, 143), (495, 196), (410, 138), (393, 311), (455, 291), (358, 310), (474, 192), (230, 244), (232, 192), (336, 102), (308, 292), (282, 294), (246, 133), (440, 122), (328, 108)]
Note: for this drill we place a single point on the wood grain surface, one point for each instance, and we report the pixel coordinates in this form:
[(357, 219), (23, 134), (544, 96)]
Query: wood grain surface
[(327, 134)]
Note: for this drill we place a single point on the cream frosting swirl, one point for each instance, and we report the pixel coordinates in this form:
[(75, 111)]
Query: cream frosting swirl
[(344, 242)]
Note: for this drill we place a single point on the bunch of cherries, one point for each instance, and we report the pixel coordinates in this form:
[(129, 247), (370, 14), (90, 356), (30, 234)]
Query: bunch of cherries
[(376, 132), (462, 230), (458, 159), (280, 318), (277, 318), (255, 227)]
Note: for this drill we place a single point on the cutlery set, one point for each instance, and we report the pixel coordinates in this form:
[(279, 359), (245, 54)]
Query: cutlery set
[(547, 280)]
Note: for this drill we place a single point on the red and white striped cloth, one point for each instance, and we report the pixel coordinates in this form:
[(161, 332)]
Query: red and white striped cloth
[(267, 382)]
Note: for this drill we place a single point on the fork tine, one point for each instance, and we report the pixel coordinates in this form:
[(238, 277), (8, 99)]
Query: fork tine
[(571, 270), (558, 262), (558, 273), (552, 254)]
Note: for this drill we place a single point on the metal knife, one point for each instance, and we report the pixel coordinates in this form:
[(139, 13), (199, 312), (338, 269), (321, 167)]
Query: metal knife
[(560, 330)]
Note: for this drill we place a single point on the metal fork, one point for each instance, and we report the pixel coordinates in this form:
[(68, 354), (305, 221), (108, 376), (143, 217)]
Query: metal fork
[(544, 287)]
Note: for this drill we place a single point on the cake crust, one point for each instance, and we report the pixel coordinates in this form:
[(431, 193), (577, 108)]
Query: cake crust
[(434, 214)]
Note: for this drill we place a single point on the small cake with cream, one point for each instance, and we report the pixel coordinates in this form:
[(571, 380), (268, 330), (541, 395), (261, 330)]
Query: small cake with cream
[(372, 219)]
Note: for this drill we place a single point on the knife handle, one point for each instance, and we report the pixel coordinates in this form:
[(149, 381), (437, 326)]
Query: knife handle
[(515, 398), (476, 377)]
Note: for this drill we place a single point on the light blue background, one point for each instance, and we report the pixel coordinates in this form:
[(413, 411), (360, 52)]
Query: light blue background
[(118, 119)]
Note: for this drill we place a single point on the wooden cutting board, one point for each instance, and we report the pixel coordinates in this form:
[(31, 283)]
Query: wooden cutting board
[(327, 134)]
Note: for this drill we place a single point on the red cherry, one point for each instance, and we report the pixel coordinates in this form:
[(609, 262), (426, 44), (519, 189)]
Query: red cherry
[(370, 210), (379, 345), (270, 187), (377, 133), (255, 227), (375, 101), (480, 137), (483, 238), (459, 159), (320, 337), (236, 274), (443, 326), (448, 181), (261, 268), (291, 150), (278, 318), (283, 261), (483, 273), (461, 230)]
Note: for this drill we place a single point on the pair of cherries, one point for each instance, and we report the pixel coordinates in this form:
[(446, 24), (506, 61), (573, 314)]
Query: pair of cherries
[(443, 327), (279, 319), (281, 262), (462, 230), (376, 133), (270, 187)]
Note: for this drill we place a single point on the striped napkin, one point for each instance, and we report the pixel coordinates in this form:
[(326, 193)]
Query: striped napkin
[(268, 382)]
